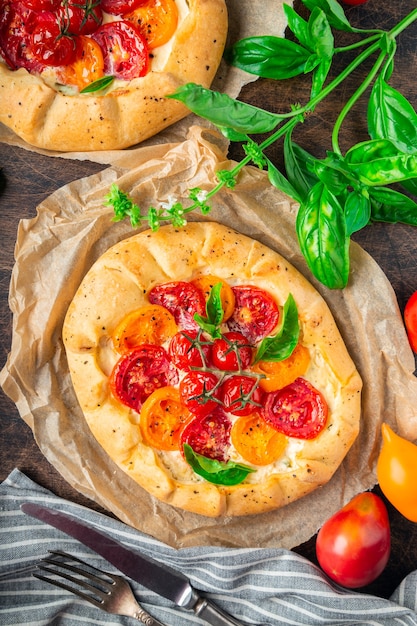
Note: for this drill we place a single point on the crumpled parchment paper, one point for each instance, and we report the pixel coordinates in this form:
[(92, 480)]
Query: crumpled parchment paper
[(72, 229), (247, 18)]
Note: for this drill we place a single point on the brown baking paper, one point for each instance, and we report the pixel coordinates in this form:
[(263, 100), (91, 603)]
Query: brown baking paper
[(73, 228), (247, 18)]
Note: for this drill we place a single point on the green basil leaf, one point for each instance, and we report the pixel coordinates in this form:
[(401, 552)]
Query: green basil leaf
[(332, 173), (281, 345), (386, 170), (224, 111), (392, 117), (98, 85), (321, 34), (278, 180), (299, 165), (319, 76), (268, 56), (216, 472), (298, 26), (322, 236), (214, 312), (367, 151), (334, 13), (388, 205), (410, 185), (232, 134), (357, 211)]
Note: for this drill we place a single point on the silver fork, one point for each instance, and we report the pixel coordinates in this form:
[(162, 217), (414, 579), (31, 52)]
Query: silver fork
[(109, 592)]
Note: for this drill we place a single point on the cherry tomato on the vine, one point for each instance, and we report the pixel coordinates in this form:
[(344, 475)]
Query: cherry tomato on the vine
[(125, 51), (353, 546), (298, 410), (241, 395), (410, 319), (49, 44), (396, 471), (187, 350), (43, 5), (80, 17), (231, 352), (199, 391)]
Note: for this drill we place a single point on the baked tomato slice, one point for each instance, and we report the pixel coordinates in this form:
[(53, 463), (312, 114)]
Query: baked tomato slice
[(182, 299), (298, 410), (49, 43), (120, 7), (279, 374), (125, 51), (209, 436), (256, 441), (162, 418), (256, 313), (157, 20), (189, 350), (88, 66), (43, 5), (199, 392), (150, 323), (139, 372), (17, 22), (241, 395), (80, 17)]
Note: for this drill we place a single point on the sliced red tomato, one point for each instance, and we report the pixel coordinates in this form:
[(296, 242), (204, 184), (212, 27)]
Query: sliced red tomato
[(298, 410), (256, 441), (125, 51), (80, 17), (206, 283), (279, 374), (157, 20), (209, 436), (182, 299), (88, 66), (188, 350), (120, 7), (49, 43), (232, 352), (198, 391), (256, 313), (150, 323), (43, 5), (162, 418), (16, 25), (241, 395), (139, 372)]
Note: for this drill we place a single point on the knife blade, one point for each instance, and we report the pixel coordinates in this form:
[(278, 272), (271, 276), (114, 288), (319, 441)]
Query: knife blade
[(156, 576)]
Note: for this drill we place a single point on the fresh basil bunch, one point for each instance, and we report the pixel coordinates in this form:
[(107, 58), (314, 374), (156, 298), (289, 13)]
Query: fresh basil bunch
[(342, 193)]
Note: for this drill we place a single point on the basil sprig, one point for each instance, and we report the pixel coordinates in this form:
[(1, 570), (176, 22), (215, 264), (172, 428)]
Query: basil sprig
[(217, 472), (214, 313)]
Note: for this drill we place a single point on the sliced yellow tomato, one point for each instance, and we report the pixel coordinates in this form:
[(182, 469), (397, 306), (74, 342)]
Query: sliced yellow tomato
[(256, 441), (279, 374), (150, 324), (88, 67), (206, 283), (157, 20), (162, 418)]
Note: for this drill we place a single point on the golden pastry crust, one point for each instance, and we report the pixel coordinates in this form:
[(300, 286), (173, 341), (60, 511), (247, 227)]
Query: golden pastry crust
[(119, 282), (128, 115)]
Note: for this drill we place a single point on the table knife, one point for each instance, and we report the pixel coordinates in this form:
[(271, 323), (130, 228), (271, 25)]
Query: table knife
[(160, 578)]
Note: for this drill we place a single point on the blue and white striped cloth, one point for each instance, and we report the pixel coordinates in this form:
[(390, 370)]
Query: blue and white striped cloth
[(262, 586)]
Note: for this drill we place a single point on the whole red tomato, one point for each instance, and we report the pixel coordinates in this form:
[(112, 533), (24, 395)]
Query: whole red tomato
[(354, 2), (353, 546), (410, 319)]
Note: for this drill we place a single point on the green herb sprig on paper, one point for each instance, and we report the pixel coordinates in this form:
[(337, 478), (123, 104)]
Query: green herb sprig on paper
[(341, 193)]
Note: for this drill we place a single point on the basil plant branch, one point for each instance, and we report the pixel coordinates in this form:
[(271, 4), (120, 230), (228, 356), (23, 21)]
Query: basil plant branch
[(341, 193)]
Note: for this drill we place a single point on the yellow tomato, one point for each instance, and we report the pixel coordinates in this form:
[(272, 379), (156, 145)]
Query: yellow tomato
[(279, 374), (151, 323), (162, 417), (206, 283), (257, 441), (156, 19), (397, 472)]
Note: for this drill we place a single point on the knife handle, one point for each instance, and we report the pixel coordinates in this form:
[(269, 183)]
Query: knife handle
[(213, 615)]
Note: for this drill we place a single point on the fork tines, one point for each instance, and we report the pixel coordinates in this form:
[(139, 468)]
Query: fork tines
[(89, 577)]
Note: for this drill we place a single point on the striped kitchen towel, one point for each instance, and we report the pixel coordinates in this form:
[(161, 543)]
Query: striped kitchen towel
[(258, 586)]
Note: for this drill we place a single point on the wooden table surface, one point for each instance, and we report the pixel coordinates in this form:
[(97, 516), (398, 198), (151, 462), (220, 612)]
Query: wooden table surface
[(27, 178)]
